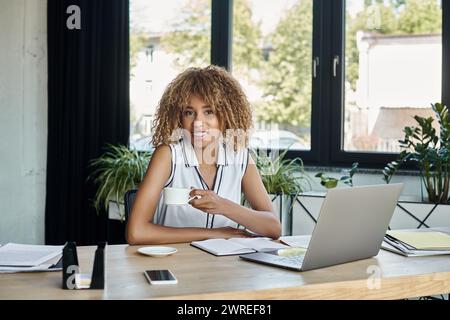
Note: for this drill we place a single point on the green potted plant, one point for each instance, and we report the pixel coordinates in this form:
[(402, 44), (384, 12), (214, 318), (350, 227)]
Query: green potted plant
[(430, 151), (115, 172), (284, 179), (347, 178)]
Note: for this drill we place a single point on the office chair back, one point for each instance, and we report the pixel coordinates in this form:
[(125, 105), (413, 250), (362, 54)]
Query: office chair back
[(129, 200)]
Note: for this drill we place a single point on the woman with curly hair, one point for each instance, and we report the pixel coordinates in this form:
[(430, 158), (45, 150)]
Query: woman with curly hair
[(200, 133)]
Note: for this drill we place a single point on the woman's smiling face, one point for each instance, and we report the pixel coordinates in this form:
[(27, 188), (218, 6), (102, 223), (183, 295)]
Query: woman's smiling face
[(200, 120)]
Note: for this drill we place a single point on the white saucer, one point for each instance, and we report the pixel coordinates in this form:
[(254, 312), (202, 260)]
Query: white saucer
[(157, 251)]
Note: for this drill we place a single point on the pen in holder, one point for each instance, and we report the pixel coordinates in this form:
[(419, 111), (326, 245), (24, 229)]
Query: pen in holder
[(73, 279)]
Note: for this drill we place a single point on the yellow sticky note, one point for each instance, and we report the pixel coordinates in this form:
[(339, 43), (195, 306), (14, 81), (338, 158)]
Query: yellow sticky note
[(423, 240), (290, 252)]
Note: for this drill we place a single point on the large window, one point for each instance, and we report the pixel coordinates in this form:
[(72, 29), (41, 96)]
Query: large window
[(165, 38), (272, 59), (335, 81), (387, 65), (393, 52)]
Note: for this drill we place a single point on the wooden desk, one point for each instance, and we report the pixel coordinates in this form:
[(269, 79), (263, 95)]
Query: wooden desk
[(204, 276)]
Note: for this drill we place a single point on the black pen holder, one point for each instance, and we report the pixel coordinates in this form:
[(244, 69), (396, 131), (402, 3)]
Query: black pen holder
[(73, 279)]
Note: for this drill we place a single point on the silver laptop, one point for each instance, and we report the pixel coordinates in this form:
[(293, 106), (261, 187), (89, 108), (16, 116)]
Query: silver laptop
[(351, 226)]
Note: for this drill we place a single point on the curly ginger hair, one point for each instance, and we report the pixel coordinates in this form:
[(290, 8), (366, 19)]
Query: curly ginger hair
[(218, 89)]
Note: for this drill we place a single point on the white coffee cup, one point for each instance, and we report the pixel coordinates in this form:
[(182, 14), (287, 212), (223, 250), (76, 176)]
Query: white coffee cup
[(177, 196)]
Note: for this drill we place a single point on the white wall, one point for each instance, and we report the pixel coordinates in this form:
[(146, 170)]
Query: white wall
[(399, 71), (23, 120)]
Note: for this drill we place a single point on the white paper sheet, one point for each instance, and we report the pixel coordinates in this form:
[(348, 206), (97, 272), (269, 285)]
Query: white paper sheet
[(296, 241), (41, 267), (26, 255), (259, 244)]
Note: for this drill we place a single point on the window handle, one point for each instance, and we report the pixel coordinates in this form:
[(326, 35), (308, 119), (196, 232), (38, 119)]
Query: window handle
[(316, 63), (336, 60)]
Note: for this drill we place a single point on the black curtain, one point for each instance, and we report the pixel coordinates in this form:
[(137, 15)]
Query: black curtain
[(88, 107)]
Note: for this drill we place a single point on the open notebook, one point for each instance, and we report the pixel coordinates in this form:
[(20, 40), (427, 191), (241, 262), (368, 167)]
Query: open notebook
[(235, 246)]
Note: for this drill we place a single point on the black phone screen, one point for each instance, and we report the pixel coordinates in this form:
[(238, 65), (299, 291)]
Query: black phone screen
[(159, 275)]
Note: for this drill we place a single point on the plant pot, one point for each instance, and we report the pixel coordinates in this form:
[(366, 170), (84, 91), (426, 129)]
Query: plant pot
[(283, 204), (408, 214), (412, 215), (116, 223), (442, 198), (116, 211)]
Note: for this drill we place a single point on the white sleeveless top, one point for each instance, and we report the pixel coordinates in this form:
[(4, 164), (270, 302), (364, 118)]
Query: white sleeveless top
[(185, 173)]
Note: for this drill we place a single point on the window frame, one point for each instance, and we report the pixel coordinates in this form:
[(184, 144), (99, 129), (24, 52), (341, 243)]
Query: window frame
[(367, 159), (327, 91), (338, 156)]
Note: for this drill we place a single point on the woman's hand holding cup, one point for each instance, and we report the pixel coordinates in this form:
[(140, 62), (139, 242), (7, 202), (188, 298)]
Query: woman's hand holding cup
[(209, 201)]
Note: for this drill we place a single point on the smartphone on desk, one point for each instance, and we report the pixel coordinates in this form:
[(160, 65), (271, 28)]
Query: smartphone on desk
[(160, 277)]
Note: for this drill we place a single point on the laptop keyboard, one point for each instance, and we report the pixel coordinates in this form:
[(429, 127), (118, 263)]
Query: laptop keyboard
[(296, 260)]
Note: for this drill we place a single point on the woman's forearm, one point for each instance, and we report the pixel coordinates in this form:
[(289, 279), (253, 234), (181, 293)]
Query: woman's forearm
[(261, 222), (155, 234)]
